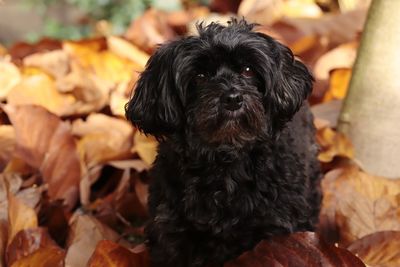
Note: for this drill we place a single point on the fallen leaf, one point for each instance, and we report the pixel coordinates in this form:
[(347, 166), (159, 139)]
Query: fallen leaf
[(3, 50), (222, 6), (134, 164), (90, 93), (380, 249), (48, 146), (296, 250), (10, 76), (333, 144), (360, 204), (146, 147), (43, 257), (55, 62), (7, 144), (341, 57), (150, 30), (328, 112), (40, 90), (110, 254), (26, 242), (127, 50), (260, 11), (20, 50), (338, 83), (85, 233), (107, 66), (103, 138), (20, 217)]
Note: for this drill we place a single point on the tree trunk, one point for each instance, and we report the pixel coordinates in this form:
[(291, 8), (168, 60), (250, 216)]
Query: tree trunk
[(371, 112)]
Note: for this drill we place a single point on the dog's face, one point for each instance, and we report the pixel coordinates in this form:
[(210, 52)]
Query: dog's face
[(229, 85)]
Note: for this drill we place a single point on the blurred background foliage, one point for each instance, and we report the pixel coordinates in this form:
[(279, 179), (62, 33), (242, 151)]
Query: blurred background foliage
[(119, 14)]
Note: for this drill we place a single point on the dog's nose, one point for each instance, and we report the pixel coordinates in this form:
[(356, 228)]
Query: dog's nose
[(232, 101)]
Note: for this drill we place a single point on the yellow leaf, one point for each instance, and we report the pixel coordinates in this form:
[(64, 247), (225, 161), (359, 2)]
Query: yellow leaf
[(127, 50), (40, 90), (10, 76), (333, 144), (146, 147)]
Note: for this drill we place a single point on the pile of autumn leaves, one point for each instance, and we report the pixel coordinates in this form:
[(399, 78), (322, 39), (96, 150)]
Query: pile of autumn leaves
[(63, 136)]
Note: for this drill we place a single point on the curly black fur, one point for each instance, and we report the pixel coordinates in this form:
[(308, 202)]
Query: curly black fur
[(237, 156)]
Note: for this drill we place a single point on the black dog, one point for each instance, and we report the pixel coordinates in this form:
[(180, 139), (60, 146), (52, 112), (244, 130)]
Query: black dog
[(237, 156)]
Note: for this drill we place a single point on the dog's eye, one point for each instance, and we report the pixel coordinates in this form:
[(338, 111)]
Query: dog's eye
[(247, 72), (200, 77)]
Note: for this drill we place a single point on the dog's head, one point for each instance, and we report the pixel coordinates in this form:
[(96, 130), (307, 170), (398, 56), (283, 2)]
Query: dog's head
[(229, 85)]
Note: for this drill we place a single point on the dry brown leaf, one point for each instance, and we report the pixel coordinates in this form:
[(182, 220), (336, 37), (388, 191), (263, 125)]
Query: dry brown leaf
[(360, 204), (335, 29), (103, 138), (85, 233), (26, 242), (327, 113), (127, 50), (146, 147), (338, 84), (20, 217), (20, 50), (3, 50), (40, 90), (261, 11), (296, 250), (340, 57), (150, 30), (7, 144), (43, 257), (48, 146), (120, 96), (54, 62), (301, 9), (110, 254), (134, 164), (380, 249), (333, 144), (90, 92), (10, 76)]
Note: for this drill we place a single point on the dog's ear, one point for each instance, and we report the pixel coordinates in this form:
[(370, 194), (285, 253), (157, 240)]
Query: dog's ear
[(155, 107), (291, 83)]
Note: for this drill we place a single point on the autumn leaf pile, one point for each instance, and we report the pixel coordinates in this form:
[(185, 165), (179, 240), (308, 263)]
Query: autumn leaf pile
[(74, 180)]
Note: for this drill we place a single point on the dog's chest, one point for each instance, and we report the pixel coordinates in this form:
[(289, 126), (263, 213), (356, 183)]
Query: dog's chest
[(221, 198)]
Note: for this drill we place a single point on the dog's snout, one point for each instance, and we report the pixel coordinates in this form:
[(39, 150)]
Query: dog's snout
[(232, 100)]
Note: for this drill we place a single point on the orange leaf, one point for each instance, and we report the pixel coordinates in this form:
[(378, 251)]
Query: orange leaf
[(7, 144), (110, 254), (379, 249), (338, 84), (333, 144), (40, 89), (47, 144), (20, 217), (26, 242), (43, 257), (54, 62), (296, 250)]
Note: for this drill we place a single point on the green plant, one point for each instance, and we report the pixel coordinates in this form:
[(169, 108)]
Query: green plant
[(119, 13)]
